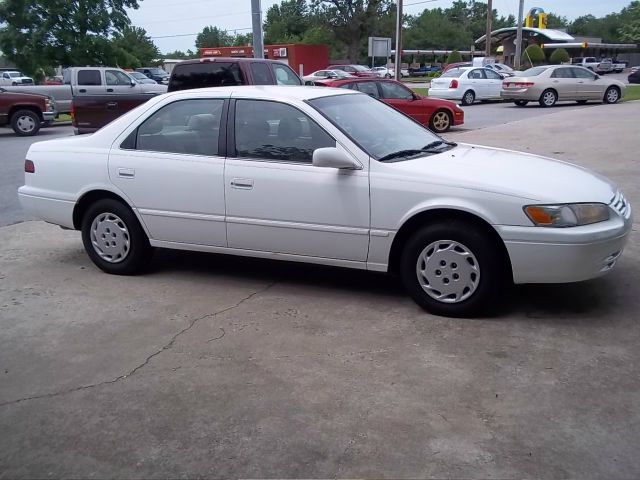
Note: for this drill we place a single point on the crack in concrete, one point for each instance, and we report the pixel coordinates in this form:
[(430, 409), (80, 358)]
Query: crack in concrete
[(166, 346)]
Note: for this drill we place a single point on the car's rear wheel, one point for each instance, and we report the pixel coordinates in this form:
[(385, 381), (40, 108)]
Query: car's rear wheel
[(25, 123), (521, 103), (612, 95), (469, 97), (114, 239), (548, 98), (449, 268), (440, 121)]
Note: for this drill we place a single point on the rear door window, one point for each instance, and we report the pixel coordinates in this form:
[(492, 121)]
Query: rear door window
[(370, 88), (261, 73), (89, 77), (206, 74), (563, 73)]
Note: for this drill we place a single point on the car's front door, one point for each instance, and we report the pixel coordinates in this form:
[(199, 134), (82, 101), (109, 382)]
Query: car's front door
[(119, 83), (588, 86), (171, 170), (400, 97), (277, 201), (563, 82), (493, 83)]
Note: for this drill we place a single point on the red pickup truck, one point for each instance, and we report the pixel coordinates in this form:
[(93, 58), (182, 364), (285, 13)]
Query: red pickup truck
[(25, 112)]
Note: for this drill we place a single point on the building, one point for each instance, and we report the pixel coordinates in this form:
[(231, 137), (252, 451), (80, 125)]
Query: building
[(302, 58)]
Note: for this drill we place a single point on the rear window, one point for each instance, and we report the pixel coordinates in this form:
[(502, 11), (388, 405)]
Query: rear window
[(89, 77), (453, 73), (203, 75), (532, 72)]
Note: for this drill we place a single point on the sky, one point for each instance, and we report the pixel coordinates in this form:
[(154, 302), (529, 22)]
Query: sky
[(180, 20)]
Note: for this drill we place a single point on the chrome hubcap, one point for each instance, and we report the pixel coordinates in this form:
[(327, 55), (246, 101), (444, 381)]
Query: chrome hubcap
[(549, 98), (26, 124), (441, 121), (612, 95), (469, 98), (448, 271), (110, 237)]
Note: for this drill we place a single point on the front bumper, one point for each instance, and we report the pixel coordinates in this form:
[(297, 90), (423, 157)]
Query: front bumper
[(564, 255), (48, 116)]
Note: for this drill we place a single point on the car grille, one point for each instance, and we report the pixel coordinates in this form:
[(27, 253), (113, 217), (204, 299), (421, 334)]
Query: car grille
[(27, 81), (620, 204)]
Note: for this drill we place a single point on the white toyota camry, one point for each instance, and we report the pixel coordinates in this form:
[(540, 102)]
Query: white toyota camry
[(328, 176)]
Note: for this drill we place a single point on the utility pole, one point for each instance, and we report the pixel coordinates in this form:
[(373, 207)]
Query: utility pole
[(398, 59), (487, 51), (516, 61), (256, 23)]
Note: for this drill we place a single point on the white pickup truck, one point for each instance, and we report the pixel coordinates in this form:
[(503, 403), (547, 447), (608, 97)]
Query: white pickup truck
[(10, 78), (593, 64)]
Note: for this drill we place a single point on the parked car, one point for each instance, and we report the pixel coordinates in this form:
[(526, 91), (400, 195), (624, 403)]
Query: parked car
[(456, 65), (423, 70), (634, 69), (141, 78), (25, 112), (467, 84), (438, 115), (328, 176), (385, 72), (356, 70), (321, 75), (61, 94), (593, 64), (634, 77), (14, 78), (155, 73), (503, 70), (55, 80), (550, 84), (106, 81), (618, 65), (221, 72)]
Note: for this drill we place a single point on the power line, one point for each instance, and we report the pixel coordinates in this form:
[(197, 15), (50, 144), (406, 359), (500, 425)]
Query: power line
[(418, 3), (198, 33)]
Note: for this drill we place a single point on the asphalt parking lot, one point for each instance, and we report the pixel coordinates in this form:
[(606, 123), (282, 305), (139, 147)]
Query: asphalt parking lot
[(214, 366)]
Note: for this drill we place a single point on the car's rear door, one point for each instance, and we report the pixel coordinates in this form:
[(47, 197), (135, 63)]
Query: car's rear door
[(89, 82)]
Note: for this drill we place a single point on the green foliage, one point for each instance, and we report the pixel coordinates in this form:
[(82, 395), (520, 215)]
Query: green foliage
[(559, 55), (37, 34), (178, 54), (533, 55), (454, 57), (287, 22), (133, 48), (557, 21), (213, 37), (630, 32)]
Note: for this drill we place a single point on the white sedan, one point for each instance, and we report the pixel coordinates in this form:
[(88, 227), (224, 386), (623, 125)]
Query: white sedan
[(328, 176), (467, 84), (385, 72), (326, 75)]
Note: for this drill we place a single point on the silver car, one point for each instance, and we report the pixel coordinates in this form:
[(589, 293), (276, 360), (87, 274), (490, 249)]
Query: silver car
[(556, 83)]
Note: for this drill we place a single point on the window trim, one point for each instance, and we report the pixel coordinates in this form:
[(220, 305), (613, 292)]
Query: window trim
[(231, 132), (100, 76), (222, 131)]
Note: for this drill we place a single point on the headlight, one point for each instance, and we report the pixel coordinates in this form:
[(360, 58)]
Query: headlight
[(568, 215)]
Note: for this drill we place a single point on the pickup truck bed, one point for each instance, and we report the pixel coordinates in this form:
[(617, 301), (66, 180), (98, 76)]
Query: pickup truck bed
[(92, 112)]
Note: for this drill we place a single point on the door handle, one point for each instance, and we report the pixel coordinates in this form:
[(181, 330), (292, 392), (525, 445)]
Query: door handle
[(556, 81), (112, 105), (243, 183), (110, 90), (126, 173), (83, 90)]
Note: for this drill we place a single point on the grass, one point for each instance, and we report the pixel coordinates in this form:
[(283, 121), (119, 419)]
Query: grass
[(63, 117), (421, 91), (632, 92)]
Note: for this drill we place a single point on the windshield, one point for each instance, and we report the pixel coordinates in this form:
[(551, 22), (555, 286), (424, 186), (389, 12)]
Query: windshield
[(15, 74), (378, 129), (360, 68), (158, 71), (532, 72)]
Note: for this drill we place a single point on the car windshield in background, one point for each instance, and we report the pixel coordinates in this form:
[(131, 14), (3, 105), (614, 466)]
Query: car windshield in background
[(360, 68), (377, 128), (453, 73), (15, 74), (532, 72), (158, 71)]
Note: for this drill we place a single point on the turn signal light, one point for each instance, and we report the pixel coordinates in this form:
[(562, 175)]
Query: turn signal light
[(29, 167), (453, 84)]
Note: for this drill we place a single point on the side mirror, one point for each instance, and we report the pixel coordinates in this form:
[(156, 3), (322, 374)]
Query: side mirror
[(331, 157), (133, 83), (597, 77)]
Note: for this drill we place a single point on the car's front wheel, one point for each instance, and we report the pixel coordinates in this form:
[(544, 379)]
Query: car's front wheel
[(612, 95), (450, 268), (25, 123), (114, 239), (440, 121)]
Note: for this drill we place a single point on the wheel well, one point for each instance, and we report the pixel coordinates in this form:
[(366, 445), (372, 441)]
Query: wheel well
[(550, 90), (614, 86), (442, 215), (15, 108), (86, 200)]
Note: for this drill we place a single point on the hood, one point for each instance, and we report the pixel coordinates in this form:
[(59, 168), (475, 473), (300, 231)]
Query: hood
[(511, 173), (27, 95)]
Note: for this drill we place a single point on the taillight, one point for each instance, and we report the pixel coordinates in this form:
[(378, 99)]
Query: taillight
[(29, 167), (453, 84), (523, 84), (73, 116)]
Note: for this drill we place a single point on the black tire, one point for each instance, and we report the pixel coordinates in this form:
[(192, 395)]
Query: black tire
[(548, 98), (611, 95), (492, 274), (581, 102), (108, 211), (441, 121), (521, 103), (468, 98), (25, 123)]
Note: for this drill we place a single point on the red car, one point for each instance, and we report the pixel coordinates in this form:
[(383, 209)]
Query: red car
[(437, 114), (357, 70)]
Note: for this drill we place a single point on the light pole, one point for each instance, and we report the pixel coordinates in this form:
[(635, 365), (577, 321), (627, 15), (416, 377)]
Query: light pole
[(398, 59), (487, 50), (516, 61), (256, 23)]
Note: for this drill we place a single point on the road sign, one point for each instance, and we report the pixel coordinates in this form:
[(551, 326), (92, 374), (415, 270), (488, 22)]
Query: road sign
[(379, 47)]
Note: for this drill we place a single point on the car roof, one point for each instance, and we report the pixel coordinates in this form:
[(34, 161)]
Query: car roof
[(275, 92), (225, 59)]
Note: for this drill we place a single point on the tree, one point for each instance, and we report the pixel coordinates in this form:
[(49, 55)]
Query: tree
[(178, 54), (134, 48), (454, 57), (559, 55), (556, 21), (243, 39), (630, 31), (287, 22), (38, 34), (213, 37), (534, 55)]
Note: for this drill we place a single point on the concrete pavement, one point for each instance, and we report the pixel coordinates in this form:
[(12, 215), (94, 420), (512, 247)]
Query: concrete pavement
[(214, 366)]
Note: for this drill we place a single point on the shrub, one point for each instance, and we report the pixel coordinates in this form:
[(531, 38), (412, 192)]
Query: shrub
[(454, 57), (559, 55), (533, 55)]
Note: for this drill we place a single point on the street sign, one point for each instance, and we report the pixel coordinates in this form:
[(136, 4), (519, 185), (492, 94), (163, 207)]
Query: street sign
[(379, 47)]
